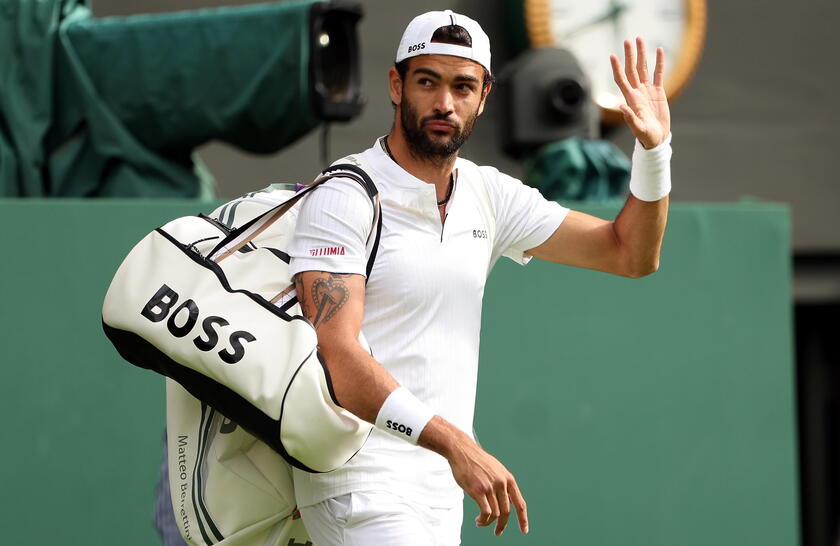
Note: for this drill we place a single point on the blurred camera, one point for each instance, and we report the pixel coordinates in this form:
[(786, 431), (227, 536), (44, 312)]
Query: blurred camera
[(335, 83), (545, 97)]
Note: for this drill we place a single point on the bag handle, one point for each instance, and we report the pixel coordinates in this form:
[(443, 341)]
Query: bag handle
[(242, 235)]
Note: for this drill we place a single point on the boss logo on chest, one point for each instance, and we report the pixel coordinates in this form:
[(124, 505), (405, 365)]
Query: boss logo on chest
[(479, 234), (184, 318)]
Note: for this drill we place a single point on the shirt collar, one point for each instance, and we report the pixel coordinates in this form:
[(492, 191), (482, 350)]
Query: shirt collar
[(398, 176)]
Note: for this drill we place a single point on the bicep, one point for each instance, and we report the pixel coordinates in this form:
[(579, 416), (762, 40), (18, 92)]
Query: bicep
[(582, 240), (330, 234), (334, 303), (332, 229)]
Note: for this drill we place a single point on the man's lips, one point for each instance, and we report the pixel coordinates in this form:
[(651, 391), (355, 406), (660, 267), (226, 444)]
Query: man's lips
[(438, 125)]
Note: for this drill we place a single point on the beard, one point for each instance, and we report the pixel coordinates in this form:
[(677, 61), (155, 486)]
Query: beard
[(426, 148)]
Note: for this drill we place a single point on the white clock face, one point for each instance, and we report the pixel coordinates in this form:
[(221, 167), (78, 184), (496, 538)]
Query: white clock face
[(594, 29)]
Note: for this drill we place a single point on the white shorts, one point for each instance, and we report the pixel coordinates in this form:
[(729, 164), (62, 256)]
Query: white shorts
[(381, 518)]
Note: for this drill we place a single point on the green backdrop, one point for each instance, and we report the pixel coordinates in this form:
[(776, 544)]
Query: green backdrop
[(655, 412)]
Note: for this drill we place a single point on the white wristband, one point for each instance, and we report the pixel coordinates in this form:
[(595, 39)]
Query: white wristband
[(403, 415), (650, 174)]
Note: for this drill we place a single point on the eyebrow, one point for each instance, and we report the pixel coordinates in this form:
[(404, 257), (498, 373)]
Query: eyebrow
[(458, 78)]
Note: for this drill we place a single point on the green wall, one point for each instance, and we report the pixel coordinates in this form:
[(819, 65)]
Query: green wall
[(656, 411)]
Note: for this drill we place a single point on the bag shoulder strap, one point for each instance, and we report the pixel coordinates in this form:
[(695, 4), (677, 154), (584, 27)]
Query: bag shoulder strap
[(357, 165), (242, 235)]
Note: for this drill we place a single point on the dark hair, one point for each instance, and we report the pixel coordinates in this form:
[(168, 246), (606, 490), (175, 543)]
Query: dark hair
[(450, 34)]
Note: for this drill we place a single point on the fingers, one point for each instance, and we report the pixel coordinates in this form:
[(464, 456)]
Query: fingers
[(646, 109), (520, 506), (489, 484), (630, 64), (507, 493), (512, 495), (504, 509), (485, 515), (641, 62), (494, 503), (659, 70), (635, 72), (489, 514), (618, 76)]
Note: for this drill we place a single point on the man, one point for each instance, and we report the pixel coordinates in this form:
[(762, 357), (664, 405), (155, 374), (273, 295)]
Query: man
[(445, 223)]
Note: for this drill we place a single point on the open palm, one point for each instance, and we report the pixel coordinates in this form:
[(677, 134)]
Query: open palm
[(646, 112)]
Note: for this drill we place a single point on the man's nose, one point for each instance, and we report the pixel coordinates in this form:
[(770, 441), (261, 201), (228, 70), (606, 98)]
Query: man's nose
[(444, 102)]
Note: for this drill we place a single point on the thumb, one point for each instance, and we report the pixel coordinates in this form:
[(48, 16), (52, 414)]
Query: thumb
[(636, 124), (630, 116)]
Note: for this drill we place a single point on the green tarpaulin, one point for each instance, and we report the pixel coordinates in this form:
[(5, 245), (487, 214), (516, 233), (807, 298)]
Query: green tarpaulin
[(115, 106)]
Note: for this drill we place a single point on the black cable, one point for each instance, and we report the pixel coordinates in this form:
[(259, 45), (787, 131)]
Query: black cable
[(325, 145)]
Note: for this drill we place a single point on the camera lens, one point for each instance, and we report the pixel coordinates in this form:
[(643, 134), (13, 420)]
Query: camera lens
[(566, 97), (334, 61)]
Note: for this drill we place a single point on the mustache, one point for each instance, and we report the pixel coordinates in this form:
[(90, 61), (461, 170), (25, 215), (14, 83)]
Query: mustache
[(438, 117)]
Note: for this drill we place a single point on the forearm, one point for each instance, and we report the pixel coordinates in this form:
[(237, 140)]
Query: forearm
[(629, 245), (444, 438), (334, 304), (639, 230), (364, 387), (640, 227), (360, 383)]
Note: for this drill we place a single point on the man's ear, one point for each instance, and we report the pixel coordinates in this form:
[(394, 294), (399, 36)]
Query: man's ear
[(395, 85), (484, 92)]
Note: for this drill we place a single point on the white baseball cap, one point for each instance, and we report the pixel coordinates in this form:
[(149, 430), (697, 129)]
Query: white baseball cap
[(417, 38)]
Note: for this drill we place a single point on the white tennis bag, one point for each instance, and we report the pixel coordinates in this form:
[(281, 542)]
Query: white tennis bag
[(214, 309), (229, 488), (218, 314), (210, 309)]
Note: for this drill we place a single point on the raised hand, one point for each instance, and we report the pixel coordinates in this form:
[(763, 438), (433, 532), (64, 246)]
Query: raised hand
[(646, 112)]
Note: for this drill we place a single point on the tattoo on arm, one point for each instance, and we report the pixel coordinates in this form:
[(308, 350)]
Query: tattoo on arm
[(329, 294), (298, 280)]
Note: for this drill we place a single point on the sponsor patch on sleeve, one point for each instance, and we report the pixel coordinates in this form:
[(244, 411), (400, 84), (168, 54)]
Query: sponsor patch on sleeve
[(327, 251)]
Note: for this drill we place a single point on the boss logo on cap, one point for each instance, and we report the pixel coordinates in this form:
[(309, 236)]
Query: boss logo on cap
[(417, 47)]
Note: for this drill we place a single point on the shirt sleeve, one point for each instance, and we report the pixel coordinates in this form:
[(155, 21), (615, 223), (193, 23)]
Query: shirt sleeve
[(332, 228), (524, 218)]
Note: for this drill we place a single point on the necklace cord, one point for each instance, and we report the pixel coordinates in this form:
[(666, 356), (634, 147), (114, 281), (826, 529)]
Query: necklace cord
[(445, 200)]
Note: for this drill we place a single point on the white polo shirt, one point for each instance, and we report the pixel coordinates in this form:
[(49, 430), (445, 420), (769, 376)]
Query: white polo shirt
[(422, 300)]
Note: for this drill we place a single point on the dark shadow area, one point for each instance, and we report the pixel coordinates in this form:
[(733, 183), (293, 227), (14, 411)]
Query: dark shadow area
[(817, 326)]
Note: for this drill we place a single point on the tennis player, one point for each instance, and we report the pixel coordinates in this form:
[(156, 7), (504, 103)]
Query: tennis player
[(446, 221)]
